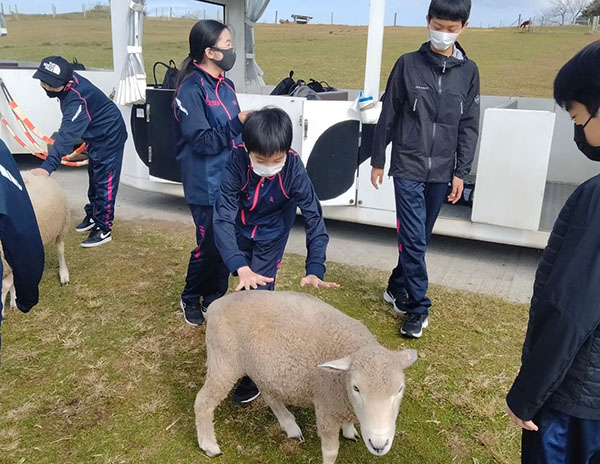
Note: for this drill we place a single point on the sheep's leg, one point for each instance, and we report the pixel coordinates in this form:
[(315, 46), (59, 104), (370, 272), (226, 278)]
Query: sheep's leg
[(329, 431), (285, 417), (63, 271), (349, 432), (215, 389), (13, 295), (6, 287)]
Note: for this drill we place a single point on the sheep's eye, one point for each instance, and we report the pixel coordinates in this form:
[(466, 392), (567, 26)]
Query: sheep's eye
[(356, 389)]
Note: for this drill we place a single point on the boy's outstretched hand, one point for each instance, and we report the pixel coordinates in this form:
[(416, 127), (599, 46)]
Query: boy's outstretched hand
[(313, 281), (250, 280)]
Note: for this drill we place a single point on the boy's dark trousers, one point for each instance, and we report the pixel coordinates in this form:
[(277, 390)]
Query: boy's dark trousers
[(207, 276), (417, 207), (104, 172), (264, 257), (561, 439)]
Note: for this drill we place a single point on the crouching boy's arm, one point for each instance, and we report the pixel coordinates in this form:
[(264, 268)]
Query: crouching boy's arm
[(224, 216), (316, 234)]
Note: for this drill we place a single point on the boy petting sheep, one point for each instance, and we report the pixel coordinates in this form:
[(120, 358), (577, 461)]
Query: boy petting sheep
[(262, 185)]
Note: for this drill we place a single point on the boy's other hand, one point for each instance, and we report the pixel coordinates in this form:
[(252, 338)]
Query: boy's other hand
[(250, 280), (457, 189), (243, 116), (527, 425), (40, 172), (313, 281), (376, 177)]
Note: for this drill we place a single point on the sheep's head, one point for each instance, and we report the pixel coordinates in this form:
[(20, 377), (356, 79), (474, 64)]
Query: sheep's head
[(375, 385)]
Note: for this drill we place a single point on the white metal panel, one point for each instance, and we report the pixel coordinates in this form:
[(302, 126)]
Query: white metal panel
[(513, 164), (291, 105), (318, 117)]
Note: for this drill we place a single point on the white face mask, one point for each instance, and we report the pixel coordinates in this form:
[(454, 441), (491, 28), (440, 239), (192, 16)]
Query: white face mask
[(442, 41), (266, 171)]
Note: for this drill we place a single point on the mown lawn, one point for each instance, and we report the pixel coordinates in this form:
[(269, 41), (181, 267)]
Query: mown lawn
[(106, 371)]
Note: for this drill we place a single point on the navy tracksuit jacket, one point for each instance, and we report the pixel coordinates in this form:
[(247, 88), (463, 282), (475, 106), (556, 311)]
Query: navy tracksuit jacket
[(21, 242), (253, 216), (206, 109), (90, 115)]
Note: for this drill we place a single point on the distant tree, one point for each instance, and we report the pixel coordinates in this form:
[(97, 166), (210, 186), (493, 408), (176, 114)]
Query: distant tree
[(565, 12), (592, 10)]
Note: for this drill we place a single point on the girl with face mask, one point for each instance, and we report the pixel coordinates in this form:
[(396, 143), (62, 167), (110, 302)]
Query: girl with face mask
[(209, 126), (556, 396)]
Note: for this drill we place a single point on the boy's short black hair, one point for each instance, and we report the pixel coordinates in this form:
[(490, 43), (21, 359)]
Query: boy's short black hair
[(268, 132), (579, 80), (451, 10)]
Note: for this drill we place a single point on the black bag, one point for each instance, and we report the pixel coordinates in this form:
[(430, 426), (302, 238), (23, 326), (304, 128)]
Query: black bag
[(286, 86), (170, 78), (77, 66)]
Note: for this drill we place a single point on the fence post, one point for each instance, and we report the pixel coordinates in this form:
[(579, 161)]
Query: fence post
[(395, 18), (276, 16)]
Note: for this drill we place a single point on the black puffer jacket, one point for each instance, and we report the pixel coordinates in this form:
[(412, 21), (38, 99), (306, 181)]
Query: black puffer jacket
[(561, 354), (431, 115)]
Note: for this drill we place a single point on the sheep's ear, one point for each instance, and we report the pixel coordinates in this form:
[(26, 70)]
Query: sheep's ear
[(339, 365), (407, 358)]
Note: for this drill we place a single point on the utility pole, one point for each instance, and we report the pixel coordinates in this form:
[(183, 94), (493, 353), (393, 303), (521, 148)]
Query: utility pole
[(53, 11), (276, 15), (395, 18), (519, 21), (332, 18)]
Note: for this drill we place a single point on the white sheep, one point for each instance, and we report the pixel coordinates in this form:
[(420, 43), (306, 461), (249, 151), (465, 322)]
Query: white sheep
[(304, 352), (53, 217)]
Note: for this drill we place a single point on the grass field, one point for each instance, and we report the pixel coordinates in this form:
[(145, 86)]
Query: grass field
[(511, 62), (108, 373)]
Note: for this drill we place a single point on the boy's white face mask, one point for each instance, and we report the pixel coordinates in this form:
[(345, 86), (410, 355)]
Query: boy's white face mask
[(263, 170), (442, 41)]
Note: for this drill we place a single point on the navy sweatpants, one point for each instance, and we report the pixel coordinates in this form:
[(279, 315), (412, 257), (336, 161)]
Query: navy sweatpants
[(207, 277), (561, 439), (264, 257), (418, 205), (104, 172)]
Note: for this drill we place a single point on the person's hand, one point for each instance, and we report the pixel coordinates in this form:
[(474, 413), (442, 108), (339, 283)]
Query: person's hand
[(243, 116), (250, 280), (457, 189), (40, 172), (376, 177), (313, 281), (527, 425)]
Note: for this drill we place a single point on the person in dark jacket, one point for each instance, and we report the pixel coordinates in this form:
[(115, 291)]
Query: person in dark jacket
[(209, 127), (19, 233), (263, 183), (87, 114), (556, 395), (431, 116)]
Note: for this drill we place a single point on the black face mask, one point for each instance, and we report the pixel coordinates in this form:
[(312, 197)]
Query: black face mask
[(228, 60), (53, 94), (584, 146)]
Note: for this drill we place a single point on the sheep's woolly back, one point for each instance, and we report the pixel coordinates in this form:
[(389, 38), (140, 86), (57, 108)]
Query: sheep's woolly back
[(50, 206), (278, 339)]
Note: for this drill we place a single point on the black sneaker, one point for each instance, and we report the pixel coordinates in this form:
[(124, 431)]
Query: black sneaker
[(246, 392), (396, 299), (96, 238), (414, 324), (85, 225), (192, 313)]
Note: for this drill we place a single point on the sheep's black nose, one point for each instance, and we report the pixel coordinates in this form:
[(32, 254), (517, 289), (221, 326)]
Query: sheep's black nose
[(376, 449)]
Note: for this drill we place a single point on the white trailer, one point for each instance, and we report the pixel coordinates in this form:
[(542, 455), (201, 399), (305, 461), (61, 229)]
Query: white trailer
[(525, 168)]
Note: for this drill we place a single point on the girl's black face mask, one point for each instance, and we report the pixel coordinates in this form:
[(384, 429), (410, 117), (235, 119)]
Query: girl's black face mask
[(584, 146), (228, 60), (53, 94)]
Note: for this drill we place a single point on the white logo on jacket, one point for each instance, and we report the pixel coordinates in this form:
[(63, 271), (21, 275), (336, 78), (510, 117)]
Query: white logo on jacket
[(6, 174), (77, 113), (181, 107)]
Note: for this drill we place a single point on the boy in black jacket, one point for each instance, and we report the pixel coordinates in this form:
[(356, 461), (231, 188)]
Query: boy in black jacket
[(19, 233), (556, 396), (431, 115)]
